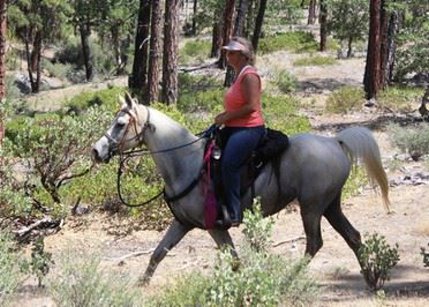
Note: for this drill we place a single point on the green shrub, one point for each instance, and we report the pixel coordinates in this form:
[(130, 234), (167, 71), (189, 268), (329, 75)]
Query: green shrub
[(194, 51), (411, 140), (281, 113), (315, 60), (355, 182), (85, 100), (262, 279), (57, 70), (296, 41), (377, 258), (345, 99), (11, 263), (285, 81), (80, 281), (41, 260), (55, 149), (400, 99)]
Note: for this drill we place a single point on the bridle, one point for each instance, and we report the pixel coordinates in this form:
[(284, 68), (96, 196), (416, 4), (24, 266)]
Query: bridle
[(139, 136)]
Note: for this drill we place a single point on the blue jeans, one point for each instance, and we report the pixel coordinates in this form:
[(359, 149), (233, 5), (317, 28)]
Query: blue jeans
[(241, 141)]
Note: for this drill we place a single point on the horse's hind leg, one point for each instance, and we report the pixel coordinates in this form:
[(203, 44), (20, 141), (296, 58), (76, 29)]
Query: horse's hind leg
[(311, 220), (174, 234), (342, 225)]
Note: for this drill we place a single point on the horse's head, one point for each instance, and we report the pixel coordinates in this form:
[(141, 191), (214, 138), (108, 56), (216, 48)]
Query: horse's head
[(126, 131)]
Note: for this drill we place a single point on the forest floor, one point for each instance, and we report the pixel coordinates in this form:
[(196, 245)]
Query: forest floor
[(335, 267)]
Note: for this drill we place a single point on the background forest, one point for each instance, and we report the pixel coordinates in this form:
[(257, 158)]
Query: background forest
[(168, 55)]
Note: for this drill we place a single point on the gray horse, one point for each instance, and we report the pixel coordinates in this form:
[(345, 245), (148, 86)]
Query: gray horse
[(313, 170)]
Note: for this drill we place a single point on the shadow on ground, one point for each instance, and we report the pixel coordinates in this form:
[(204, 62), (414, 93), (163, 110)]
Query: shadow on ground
[(378, 123), (396, 288)]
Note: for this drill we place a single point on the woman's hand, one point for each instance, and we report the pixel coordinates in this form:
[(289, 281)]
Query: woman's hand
[(221, 118)]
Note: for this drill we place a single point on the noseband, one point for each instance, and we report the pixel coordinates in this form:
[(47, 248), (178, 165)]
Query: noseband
[(138, 135)]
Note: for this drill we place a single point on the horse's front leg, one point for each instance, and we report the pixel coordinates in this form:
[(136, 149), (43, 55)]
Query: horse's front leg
[(223, 239), (174, 234)]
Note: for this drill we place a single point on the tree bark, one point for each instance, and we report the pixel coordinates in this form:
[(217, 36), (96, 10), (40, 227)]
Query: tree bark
[(85, 32), (373, 73), (240, 18), (170, 88), (138, 78), (194, 22), (153, 73), (323, 16), (258, 24), (216, 39), (227, 28), (312, 12), (392, 29), (3, 47)]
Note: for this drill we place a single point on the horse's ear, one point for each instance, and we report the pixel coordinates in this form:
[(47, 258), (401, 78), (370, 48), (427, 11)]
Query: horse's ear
[(129, 99), (121, 100)]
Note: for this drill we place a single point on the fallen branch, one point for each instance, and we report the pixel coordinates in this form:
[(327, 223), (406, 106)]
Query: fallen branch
[(120, 261), (189, 69), (289, 241), (46, 222)]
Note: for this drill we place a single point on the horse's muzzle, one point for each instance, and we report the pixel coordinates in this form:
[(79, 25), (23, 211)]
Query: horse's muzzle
[(95, 156)]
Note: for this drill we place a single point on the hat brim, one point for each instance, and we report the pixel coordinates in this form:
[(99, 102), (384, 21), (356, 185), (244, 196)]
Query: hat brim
[(234, 46)]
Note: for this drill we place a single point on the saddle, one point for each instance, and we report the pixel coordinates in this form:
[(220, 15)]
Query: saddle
[(273, 144)]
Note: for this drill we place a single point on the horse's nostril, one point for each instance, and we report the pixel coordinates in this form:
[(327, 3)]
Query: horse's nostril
[(95, 156)]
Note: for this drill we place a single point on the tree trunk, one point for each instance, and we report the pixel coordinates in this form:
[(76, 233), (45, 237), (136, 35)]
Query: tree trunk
[(240, 18), (323, 25), (258, 24), (153, 73), (85, 32), (227, 29), (392, 29), (194, 22), (373, 73), (137, 79), (350, 47), (216, 39), (3, 30), (170, 88), (312, 12)]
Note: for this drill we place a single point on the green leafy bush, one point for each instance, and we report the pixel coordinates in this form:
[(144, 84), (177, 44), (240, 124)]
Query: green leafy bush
[(80, 281), (315, 60), (411, 140), (345, 99), (262, 279), (400, 99), (281, 113), (41, 260), (355, 182), (377, 258), (85, 100), (11, 263), (296, 41), (55, 149), (194, 51), (285, 81)]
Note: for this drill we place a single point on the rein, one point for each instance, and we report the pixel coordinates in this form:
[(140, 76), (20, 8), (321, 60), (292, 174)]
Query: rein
[(135, 153)]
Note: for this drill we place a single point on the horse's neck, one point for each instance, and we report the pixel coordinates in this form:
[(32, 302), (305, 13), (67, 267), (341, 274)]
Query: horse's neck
[(180, 166)]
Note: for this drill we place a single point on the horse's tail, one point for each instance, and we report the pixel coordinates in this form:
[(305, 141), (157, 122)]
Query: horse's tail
[(360, 144)]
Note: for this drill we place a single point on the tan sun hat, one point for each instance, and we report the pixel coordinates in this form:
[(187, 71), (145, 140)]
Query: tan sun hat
[(233, 45)]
